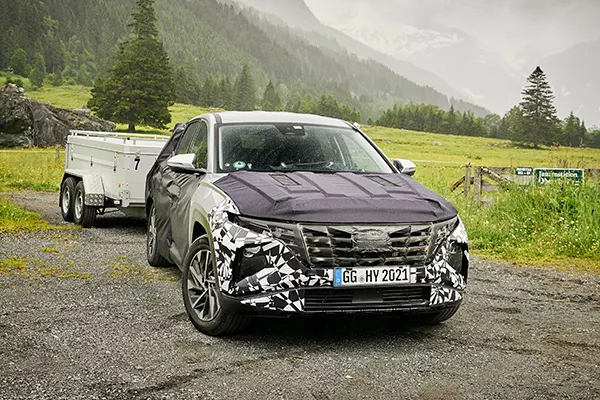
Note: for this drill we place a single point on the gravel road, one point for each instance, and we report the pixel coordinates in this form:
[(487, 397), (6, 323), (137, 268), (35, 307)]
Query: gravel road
[(83, 316)]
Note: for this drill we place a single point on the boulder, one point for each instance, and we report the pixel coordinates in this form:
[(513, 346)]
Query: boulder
[(25, 122)]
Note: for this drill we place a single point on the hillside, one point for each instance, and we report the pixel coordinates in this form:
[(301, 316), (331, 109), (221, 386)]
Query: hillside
[(77, 38), (477, 71), (297, 15)]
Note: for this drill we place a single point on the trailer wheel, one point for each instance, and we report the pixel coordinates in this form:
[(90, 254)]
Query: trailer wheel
[(83, 215), (67, 196), (154, 258)]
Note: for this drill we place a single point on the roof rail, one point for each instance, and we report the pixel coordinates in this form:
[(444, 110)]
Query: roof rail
[(120, 135)]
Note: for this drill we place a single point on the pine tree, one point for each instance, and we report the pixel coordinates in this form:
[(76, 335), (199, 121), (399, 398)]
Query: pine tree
[(539, 114), (208, 92), (583, 133), (245, 91), (140, 85), (225, 94), (307, 105), (511, 126), (271, 99), (571, 131), (38, 74), (18, 62), (188, 90)]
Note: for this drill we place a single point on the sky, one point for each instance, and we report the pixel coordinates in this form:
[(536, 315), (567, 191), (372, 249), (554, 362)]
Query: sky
[(512, 27)]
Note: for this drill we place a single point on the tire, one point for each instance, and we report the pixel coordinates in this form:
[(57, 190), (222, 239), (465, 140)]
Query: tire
[(67, 196), (202, 296), (83, 215), (436, 317), (154, 258)]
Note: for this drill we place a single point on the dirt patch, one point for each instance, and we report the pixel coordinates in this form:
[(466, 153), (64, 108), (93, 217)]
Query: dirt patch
[(122, 332)]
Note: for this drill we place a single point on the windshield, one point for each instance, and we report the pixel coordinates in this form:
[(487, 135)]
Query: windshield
[(287, 147)]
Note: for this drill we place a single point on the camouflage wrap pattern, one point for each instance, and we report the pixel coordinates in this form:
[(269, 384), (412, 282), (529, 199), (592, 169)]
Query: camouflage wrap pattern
[(279, 286)]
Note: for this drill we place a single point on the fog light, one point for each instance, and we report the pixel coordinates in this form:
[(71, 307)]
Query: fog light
[(251, 262)]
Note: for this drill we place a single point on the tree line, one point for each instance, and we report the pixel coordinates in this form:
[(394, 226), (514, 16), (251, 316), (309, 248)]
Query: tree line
[(140, 85), (77, 41), (532, 122)]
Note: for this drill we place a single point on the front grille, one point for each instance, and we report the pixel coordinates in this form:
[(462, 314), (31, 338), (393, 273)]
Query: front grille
[(342, 246), (382, 299)]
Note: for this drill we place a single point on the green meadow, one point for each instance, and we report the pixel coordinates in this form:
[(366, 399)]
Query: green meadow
[(557, 225)]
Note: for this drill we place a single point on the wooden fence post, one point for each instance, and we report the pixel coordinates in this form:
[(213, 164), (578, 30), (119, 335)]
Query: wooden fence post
[(468, 181), (477, 183), (57, 158)]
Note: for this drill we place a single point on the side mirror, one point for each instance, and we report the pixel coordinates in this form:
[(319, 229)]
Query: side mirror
[(406, 167), (184, 163)]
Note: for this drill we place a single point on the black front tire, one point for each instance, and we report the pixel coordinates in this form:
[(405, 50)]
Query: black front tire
[(67, 196), (215, 323), (154, 258), (437, 317), (83, 215)]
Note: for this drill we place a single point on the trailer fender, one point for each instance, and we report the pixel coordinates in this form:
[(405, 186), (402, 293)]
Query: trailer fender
[(94, 190), (93, 186)]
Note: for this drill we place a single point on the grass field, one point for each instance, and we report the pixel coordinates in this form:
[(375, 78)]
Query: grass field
[(555, 225), (14, 218)]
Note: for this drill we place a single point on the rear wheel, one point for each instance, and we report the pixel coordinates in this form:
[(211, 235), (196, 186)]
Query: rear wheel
[(82, 214), (154, 258), (67, 195), (202, 297)]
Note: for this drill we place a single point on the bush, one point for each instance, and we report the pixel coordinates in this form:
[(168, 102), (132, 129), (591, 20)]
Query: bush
[(14, 81)]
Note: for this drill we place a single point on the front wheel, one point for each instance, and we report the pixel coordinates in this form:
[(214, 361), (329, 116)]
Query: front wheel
[(201, 294), (83, 215), (437, 317)]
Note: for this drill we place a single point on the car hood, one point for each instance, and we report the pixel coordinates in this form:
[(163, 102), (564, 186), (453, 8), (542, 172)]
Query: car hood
[(347, 198)]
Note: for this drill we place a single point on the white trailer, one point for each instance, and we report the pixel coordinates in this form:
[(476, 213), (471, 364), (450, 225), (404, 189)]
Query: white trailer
[(105, 170)]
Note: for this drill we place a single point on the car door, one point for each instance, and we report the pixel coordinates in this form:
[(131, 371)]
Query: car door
[(156, 192), (183, 187)]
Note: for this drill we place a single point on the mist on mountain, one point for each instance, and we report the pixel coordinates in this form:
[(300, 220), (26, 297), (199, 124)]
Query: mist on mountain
[(485, 49)]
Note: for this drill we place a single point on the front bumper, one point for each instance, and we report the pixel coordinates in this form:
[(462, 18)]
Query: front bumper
[(285, 282)]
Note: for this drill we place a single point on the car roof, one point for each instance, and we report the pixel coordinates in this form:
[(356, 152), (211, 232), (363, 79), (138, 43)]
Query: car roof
[(253, 117)]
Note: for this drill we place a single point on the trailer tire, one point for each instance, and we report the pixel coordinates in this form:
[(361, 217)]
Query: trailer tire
[(82, 214), (154, 258), (67, 196)]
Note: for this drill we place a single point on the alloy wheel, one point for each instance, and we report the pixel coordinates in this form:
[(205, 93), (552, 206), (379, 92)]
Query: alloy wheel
[(202, 286)]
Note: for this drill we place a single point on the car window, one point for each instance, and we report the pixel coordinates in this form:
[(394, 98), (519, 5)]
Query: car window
[(200, 145), (292, 147), (360, 159), (188, 139)]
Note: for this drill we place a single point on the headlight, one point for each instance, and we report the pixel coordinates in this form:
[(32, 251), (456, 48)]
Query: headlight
[(287, 233), (440, 232), (452, 230), (459, 235), (251, 258)]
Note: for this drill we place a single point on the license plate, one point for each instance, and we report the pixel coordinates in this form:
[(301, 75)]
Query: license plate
[(377, 276)]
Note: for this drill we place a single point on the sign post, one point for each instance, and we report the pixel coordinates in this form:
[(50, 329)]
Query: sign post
[(547, 175)]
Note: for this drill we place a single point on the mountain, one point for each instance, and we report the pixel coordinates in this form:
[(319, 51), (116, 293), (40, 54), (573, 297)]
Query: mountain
[(296, 14), (477, 71), (205, 37), (485, 49), (572, 74)]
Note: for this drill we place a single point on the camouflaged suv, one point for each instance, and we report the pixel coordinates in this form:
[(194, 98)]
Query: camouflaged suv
[(298, 214)]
